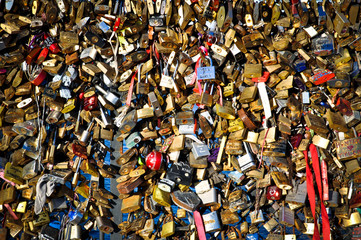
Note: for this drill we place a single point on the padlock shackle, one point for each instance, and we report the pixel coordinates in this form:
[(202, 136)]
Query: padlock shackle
[(100, 89), (175, 70), (212, 87), (139, 71), (210, 61)]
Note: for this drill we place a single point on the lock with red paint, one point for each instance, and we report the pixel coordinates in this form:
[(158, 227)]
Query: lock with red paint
[(274, 193)]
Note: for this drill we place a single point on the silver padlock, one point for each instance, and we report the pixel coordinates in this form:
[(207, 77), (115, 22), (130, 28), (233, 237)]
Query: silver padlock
[(256, 217), (106, 119), (211, 222), (86, 133), (110, 97), (200, 150), (186, 129), (287, 216), (208, 197), (154, 101), (246, 161), (88, 54), (166, 185), (73, 232)]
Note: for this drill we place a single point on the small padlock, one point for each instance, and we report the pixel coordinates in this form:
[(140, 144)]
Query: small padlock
[(168, 228), (207, 98), (104, 224), (142, 87)]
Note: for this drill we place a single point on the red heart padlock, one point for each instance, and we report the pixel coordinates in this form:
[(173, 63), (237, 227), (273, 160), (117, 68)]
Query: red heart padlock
[(90, 103), (274, 193)]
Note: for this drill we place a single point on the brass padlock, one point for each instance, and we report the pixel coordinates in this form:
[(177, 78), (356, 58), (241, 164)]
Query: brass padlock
[(131, 204), (355, 219), (168, 228), (252, 70), (226, 111), (207, 98), (161, 197), (248, 94), (142, 87)]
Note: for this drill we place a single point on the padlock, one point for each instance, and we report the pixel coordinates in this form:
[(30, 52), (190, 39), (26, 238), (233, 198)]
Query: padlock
[(200, 150), (48, 232), (207, 98), (86, 133), (186, 200), (211, 222), (168, 228), (286, 216), (270, 225), (226, 111), (208, 195), (131, 204), (297, 195), (180, 173), (156, 105), (354, 219), (104, 224), (185, 117), (257, 216), (90, 103), (142, 88), (148, 228), (110, 97), (197, 163), (234, 147), (229, 217)]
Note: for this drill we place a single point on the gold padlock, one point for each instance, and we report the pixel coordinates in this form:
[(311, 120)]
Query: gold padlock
[(161, 197), (226, 111), (168, 228), (355, 219), (131, 204), (248, 94), (235, 125)]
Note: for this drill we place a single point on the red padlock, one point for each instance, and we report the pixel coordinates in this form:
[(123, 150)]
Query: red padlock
[(154, 160), (42, 56), (90, 103), (52, 45), (38, 77), (264, 78), (215, 5), (274, 193)]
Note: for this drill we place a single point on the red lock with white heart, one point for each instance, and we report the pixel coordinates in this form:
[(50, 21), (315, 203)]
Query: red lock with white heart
[(274, 193)]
